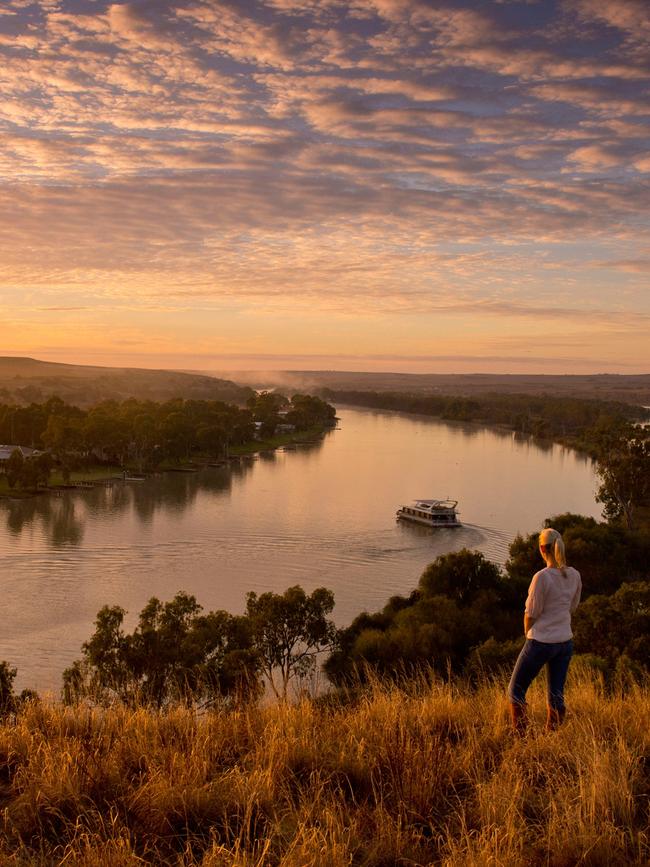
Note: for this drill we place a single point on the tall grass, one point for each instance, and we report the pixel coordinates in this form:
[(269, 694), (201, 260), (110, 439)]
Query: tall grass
[(426, 774)]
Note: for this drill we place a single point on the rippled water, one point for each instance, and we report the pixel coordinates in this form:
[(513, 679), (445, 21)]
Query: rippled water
[(322, 514)]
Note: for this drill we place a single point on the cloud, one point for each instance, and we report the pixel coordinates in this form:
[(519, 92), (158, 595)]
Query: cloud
[(604, 156), (630, 16), (632, 266), (415, 158)]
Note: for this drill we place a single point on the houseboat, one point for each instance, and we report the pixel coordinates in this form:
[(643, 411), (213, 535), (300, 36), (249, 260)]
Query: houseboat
[(433, 513)]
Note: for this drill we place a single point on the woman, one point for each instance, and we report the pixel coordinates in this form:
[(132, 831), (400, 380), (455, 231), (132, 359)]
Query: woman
[(553, 596)]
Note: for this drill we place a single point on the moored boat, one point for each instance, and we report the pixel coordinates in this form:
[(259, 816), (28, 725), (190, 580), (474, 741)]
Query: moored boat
[(433, 513)]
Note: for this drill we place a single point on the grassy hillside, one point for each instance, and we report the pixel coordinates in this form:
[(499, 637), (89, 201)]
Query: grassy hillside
[(27, 380), (431, 775)]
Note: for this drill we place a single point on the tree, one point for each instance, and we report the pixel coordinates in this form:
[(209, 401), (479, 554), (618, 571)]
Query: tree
[(63, 432), (66, 464), (14, 468), (174, 654), (177, 433), (105, 432), (7, 697), (616, 627), (30, 474), (289, 630), (143, 438), (606, 555), (461, 602), (158, 652), (105, 654), (44, 464), (624, 472), (9, 701), (308, 410), (265, 408), (212, 438), (461, 576)]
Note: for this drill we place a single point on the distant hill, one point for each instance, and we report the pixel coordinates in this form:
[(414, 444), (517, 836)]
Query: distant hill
[(27, 380), (633, 389)]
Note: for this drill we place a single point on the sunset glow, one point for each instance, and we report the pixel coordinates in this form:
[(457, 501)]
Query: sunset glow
[(376, 184)]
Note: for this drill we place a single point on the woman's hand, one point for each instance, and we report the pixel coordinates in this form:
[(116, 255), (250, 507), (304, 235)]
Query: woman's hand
[(528, 622)]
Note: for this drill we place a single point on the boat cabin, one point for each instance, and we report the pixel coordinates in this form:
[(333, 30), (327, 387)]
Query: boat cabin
[(434, 513)]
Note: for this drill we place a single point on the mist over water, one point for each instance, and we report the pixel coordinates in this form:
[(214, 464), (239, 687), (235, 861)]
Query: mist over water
[(319, 515)]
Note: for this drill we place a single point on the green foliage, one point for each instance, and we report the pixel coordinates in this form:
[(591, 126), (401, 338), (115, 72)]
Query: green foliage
[(174, 654), (289, 630), (466, 616), (144, 433), (462, 601), (605, 555), (585, 424), (7, 697), (10, 703), (493, 656), (624, 471), (461, 577), (44, 464), (617, 627), (177, 653), (28, 473), (14, 468), (266, 408), (308, 411)]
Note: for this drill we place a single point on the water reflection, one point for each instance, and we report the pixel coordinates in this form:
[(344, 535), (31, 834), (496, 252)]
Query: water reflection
[(268, 457), (174, 493), (57, 518), (61, 518)]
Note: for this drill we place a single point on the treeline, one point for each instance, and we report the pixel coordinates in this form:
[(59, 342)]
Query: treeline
[(177, 653), (145, 433), (576, 421), (272, 409)]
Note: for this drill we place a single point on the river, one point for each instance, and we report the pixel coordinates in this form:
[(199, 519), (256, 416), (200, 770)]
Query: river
[(319, 515)]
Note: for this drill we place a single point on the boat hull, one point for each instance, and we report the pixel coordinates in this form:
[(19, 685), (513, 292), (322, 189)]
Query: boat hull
[(428, 520)]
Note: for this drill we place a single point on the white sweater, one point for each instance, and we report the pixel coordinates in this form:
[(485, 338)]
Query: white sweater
[(552, 599)]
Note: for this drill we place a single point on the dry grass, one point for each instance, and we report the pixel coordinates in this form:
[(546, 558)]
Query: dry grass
[(428, 775)]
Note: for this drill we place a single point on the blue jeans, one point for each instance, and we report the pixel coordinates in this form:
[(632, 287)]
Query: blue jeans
[(533, 657)]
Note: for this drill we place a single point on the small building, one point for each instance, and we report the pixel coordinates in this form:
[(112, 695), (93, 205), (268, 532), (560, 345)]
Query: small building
[(6, 452)]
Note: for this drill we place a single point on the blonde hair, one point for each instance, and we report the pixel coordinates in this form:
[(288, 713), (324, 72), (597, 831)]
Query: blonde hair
[(549, 536)]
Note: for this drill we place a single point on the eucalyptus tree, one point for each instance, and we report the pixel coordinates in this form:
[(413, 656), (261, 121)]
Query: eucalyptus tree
[(623, 468), (289, 630)]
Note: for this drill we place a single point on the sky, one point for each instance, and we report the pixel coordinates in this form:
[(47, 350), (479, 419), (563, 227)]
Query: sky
[(406, 185)]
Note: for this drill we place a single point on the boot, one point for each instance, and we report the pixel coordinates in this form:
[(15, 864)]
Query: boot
[(554, 718), (519, 718)]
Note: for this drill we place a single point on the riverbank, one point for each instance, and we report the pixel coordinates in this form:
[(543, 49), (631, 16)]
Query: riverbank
[(102, 473), (90, 474), (305, 437), (574, 423), (476, 425)]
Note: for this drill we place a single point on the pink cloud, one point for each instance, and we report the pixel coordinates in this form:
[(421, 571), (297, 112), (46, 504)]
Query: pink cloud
[(628, 15), (606, 156)]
